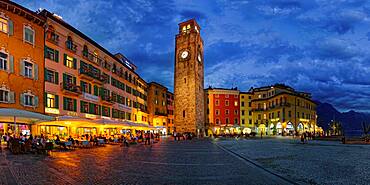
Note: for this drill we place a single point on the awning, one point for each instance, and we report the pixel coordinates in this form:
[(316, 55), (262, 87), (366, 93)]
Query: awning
[(111, 122), (22, 116)]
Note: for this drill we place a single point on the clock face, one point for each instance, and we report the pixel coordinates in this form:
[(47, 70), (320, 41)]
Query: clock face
[(184, 54), (199, 57)]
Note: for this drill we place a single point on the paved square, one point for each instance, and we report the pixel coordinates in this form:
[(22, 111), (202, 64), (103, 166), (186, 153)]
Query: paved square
[(167, 162)]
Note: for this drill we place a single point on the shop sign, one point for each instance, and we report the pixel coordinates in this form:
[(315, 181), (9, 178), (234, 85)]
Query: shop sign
[(52, 111), (72, 113), (90, 97), (90, 116), (275, 119), (304, 120)]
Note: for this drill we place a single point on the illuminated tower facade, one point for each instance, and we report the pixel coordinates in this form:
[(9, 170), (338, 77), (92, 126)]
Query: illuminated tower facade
[(189, 79)]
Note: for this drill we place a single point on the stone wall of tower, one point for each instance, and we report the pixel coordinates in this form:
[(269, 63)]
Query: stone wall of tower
[(189, 83)]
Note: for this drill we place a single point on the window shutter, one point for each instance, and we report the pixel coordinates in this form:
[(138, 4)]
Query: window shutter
[(96, 90), (21, 100), (21, 69), (36, 101), (11, 97), (45, 51), (74, 80), (56, 77), (99, 110), (45, 74), (65, 59), (91, 108), (64, 78), (11, 64), (74, 63), (36, 72), (89, 88), (75, 105), (56, 101), (64, 103), (46, 99), (56, 55), (10, 27)]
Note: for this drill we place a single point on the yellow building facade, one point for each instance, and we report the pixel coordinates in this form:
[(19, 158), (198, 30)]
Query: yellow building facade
[(246, 121), (280, 110)]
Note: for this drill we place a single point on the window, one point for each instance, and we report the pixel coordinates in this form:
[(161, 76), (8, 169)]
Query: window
[(289, 114), (51, 76), (3, 25), (52, 101), (84, 107), (250, 122), (227, 120), (227, 112), (217, 112), (183, 113), (227, 102), (242, 104), (69, 104), (28, 100), (29, 34), (28, 69), (217, 103), (69, 62), (3, 61), (243, 121), (4, 96), (235, 103), (243, 112), (236, 121), (226, 96), (236, 112), (217, 121), (51, 54)]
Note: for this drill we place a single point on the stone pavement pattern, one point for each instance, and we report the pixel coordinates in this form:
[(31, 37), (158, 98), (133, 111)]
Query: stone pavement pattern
[(318, 162), (167, 162)]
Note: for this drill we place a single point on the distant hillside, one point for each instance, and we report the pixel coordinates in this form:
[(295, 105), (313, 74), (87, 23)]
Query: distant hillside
[(351, 120)]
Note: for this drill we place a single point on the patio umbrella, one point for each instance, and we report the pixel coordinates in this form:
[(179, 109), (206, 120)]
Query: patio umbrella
[(14, 115)]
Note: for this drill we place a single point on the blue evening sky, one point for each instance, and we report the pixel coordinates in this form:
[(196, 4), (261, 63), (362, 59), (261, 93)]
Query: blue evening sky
[(319, 46)]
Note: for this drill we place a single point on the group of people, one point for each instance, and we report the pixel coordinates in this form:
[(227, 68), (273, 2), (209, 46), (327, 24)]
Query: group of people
[(184, 136), (24, 143), (305, 136)]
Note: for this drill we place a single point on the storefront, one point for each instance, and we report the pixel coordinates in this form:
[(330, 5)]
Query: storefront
[(14, 121)]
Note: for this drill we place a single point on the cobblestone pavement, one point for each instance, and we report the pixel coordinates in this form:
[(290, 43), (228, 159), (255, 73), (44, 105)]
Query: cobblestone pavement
[(317, 162), (167, 162)]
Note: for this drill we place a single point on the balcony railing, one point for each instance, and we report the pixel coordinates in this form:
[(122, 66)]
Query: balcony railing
[(52, 37), (71, 88), (71, 46), (92, 58), (160, 114), (107, 99), (90, 74)]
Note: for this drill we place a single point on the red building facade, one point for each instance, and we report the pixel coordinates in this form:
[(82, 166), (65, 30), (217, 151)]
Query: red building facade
[(223, 107)]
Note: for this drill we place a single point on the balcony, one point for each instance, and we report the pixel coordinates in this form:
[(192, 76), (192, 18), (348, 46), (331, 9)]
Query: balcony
[(107, 99), (92, 57), (71, 46), (91, 75), (52, 37), (70, 88)]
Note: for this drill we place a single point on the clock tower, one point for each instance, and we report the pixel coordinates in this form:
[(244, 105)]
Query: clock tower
[(189, 79)]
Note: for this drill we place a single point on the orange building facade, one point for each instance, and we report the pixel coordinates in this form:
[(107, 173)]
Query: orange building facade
[(21, 65)]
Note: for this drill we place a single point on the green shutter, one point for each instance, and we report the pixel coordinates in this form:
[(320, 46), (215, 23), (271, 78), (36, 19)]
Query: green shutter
[(89, 88), (36, 72), (74, 80), (11, 64), (45, 51), (91, 108), (64, 78), (10, 27), (46, 99), (99, 110), (81, 106), (45, 74), (74, 63), (75, 105), (57, 101), (64, 103), (56, 55), (96, 90), (65, 59), (21, 69), (56, 78)]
